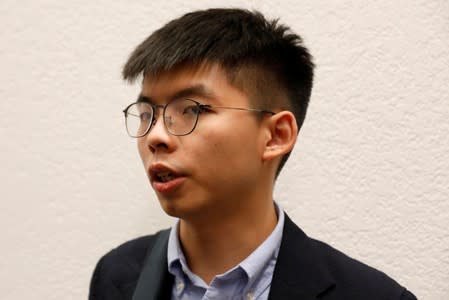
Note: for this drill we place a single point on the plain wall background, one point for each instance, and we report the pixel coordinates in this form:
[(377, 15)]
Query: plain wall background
[(369, 174)]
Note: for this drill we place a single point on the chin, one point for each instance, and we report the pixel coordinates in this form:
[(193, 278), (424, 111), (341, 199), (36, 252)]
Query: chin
[(173, 208), (182, 208)]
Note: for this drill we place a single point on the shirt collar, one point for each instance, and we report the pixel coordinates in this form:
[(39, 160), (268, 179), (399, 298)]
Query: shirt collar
[(258, 260), (253, 265)]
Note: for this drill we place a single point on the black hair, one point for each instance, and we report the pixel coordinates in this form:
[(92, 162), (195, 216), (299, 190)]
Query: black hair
[(265, 58)]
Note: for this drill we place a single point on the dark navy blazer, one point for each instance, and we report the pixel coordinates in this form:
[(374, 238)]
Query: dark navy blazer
[(305, 269)]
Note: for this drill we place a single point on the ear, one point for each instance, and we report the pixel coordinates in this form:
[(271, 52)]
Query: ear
[(281, 137)]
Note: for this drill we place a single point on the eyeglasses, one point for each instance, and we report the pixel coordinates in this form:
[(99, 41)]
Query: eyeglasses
[(180, 116)]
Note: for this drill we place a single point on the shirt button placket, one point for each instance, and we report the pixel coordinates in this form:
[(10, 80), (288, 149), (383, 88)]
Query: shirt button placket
[(249, 296), (179, 286)]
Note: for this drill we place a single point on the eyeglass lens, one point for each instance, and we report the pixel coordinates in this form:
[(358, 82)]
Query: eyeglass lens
[(180, 117)]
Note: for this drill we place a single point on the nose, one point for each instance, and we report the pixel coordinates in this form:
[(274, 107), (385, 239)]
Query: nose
[(158, 138)]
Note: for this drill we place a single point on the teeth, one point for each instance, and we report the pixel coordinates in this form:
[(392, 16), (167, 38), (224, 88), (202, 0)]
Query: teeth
[(165, 176)]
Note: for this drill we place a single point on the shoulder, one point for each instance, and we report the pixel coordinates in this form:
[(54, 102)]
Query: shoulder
[(133, 252), (117, 272), (343, 276), (358, 278)]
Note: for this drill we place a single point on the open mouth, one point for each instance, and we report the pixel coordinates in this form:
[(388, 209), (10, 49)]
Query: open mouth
[(161, 173), (164, 179), (164, 176)]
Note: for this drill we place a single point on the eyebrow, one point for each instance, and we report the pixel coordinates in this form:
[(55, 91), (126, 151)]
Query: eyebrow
[(198, 90)]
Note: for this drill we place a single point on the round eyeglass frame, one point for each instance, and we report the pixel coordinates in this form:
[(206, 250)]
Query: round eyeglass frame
[(201, 108)]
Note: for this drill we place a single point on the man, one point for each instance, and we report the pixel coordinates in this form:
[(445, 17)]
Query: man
[(224, 93)]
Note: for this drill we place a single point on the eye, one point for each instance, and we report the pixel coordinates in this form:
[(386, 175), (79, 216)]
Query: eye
[(145, 117), (192, 110)]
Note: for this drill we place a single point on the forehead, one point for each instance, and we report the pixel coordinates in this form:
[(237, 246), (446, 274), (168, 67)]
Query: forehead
[(208, 81)]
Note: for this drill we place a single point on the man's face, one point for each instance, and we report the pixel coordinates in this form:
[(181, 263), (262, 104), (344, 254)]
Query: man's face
[(218, 165)]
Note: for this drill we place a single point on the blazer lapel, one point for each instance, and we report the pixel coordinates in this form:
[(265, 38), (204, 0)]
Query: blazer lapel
[(299, 272), (155, 282)]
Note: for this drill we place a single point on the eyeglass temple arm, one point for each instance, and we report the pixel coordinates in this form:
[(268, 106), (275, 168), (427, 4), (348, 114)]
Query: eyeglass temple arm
[(239, 108)]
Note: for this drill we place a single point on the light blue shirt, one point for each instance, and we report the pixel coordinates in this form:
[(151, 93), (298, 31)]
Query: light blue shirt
[(250, 279)]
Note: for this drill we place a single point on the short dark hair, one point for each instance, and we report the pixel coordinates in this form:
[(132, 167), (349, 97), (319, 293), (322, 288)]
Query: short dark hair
[(262, 57)]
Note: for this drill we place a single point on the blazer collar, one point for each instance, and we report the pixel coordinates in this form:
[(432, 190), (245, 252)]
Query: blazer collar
[(299, 272), (155, 282)]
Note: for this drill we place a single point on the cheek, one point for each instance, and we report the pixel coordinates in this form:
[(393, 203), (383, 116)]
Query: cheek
[(225, 147), (229, 153), (141, 148)]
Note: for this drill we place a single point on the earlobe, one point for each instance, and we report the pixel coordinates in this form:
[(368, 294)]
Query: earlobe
[(283, 132)]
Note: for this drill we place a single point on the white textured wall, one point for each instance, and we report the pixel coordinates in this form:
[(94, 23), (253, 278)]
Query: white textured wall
[(369, 173)]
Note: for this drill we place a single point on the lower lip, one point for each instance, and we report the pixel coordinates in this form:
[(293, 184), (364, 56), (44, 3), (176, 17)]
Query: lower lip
[(169, 186)]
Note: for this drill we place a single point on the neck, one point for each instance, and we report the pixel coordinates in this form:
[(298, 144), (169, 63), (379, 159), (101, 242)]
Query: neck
[(218, 243)]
